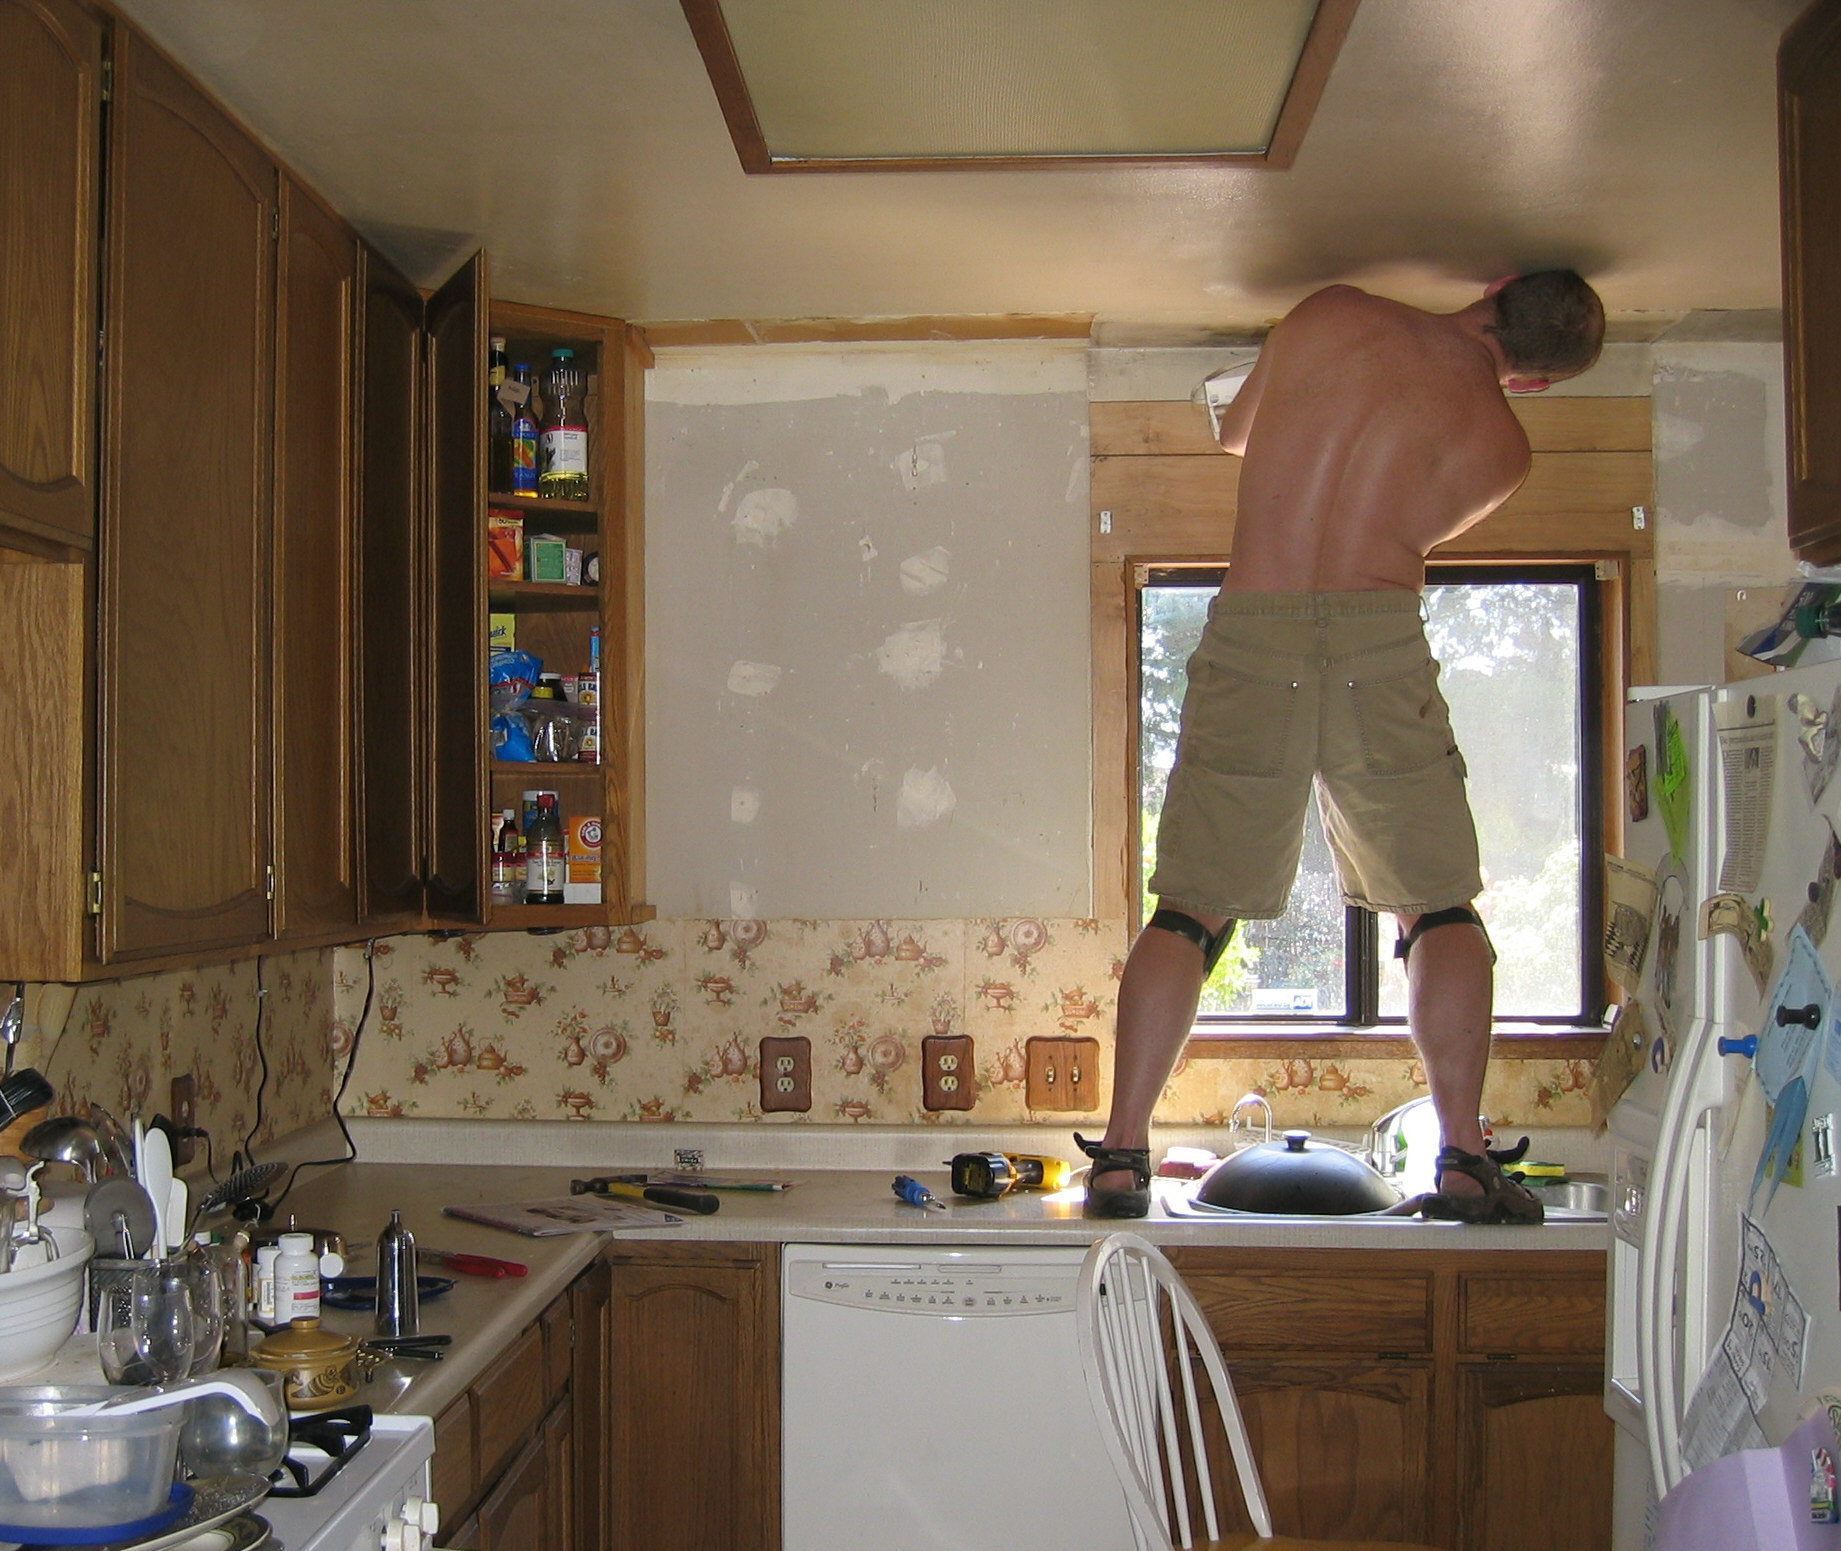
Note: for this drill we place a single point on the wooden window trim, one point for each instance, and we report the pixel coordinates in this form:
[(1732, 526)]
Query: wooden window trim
[(1162, 493)]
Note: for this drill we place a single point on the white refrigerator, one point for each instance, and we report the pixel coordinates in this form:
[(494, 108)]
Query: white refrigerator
[(1725, 1332)]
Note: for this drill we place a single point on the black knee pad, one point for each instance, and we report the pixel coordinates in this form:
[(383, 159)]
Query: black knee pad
[(1457, 915), (1212, 944)]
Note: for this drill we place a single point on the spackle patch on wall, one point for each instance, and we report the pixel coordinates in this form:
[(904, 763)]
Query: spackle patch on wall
[(744, 804), (926, 572), (925, 798), (923, 464), (761, 516), (754, 678), (915, 655)]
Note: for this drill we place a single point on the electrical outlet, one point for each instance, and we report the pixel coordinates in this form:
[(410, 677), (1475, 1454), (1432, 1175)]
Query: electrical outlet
[(786, 1072), (1061, 1074), (185, 1118), (948, 1078)]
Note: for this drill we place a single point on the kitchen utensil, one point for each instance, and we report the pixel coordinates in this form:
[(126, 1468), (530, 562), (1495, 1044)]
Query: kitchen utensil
[(178, 1215), (66, 1139), (360, 1292), (396, 1280), (115, 1143), (153, 1166), (471, 1265), (119, 1194), (403, 1343), (145, 1329), (10, 1023), (670, 1197), (318, 1368), (1296, 1176), (21, 1092), (39, 1304), (245, 1388), (397, 1351), (244, 1185), (915, 1193), (64, 1469)]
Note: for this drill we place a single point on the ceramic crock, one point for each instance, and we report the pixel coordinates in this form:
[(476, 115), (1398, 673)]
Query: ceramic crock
[(319, 1370)]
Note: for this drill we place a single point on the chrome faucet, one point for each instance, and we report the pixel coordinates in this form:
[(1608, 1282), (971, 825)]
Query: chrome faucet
[(1387, 1140)]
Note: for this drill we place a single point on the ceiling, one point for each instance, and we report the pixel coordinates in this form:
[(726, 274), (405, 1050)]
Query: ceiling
[(580, 142)]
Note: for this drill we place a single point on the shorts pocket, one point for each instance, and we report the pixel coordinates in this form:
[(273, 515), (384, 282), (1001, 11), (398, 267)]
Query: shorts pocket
[(1235, 723), (1403, 722)]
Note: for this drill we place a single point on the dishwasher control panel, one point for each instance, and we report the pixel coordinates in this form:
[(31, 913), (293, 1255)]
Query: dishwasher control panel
[(983, 1288)]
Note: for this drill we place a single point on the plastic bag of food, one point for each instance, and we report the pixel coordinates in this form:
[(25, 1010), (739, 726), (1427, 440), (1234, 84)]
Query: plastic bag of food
[(510, 678)]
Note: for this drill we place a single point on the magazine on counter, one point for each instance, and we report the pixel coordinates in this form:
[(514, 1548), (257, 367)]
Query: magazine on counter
[(565, 1214)]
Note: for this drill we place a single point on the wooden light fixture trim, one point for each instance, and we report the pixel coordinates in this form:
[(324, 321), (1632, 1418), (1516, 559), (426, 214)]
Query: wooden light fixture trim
[(1328, 28)]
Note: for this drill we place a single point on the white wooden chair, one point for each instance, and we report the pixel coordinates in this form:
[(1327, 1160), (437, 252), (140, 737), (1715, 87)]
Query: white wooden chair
[(1140, 1328)]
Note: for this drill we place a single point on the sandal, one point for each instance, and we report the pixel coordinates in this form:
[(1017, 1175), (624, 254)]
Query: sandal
[(1505, 1199), (1106, 1160)]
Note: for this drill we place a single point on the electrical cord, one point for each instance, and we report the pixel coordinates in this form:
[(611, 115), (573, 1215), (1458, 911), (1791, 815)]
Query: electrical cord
[(338, 1098), (245, 1155)]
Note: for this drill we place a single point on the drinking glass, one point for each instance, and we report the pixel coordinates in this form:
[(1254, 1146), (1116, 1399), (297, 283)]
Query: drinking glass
[(145, 1330), (203, 1280)]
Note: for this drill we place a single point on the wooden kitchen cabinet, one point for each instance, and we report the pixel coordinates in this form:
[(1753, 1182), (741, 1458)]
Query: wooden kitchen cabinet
[(1809, 148), (693, 1456), (51, 69), (1452, 1398), (183, 813)]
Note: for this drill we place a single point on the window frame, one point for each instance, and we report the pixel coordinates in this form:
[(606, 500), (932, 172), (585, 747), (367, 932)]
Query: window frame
[(1163, 494), (1365, 937)]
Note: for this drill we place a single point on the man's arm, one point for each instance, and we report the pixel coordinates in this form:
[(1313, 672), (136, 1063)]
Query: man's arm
[(1237, 417)]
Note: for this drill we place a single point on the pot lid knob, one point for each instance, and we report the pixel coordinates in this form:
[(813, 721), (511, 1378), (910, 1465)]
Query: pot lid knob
[(1295, 1140)]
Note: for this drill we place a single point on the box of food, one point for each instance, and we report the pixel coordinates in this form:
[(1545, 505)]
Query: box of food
[(544, 558), (582, 880), (504, 546), (502, 630)]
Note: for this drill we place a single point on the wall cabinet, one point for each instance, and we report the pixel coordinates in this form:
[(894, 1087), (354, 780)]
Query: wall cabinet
[(1409, 1396), (1809, 144), (51, 67)]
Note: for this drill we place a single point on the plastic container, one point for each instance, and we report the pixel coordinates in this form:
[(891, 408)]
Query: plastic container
[(297, 1279), (39, 1303), (61, 1473)]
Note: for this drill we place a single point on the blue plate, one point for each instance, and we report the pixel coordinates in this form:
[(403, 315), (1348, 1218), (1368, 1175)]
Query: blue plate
[(38, 1535), (360, 1292)]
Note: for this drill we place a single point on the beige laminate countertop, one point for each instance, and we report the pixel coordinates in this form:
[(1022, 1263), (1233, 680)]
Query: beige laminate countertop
[(824, 1206)]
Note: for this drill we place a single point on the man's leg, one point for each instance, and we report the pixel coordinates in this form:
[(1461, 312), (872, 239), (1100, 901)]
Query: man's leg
[(1158, 993), (1448, 999)]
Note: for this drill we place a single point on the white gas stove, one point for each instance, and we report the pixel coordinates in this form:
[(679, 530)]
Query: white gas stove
[(376, 1500)]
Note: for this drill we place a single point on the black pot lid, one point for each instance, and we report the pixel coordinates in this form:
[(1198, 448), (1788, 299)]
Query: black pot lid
[(1296, 1176)]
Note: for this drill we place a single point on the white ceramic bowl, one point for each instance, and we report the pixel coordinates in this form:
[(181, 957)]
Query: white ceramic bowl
[(39, 1304)]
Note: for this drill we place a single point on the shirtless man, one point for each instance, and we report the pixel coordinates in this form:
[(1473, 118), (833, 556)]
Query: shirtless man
[(1371, 433)]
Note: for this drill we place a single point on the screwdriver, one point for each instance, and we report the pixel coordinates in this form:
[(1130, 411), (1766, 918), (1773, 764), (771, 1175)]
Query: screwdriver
[(915, 1193)]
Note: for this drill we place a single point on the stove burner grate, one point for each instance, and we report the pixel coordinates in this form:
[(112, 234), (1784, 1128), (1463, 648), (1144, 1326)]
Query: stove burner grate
[(318, 1447)]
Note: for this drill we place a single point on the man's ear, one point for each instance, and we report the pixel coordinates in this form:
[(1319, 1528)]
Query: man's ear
[(1517, 382), (1496, 285)]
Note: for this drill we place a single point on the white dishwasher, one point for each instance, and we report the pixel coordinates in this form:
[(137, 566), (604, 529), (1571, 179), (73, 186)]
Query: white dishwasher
[(932, 1400)]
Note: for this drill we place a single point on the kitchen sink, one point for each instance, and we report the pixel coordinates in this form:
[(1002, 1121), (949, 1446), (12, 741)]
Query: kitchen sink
[(1576, 1200), (1582, 1200)]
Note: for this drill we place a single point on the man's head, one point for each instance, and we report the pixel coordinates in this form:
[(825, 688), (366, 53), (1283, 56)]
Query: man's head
[(1549, 324)]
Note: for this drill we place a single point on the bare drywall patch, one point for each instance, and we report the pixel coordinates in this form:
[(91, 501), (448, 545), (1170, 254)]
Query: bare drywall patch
[(931, 760)]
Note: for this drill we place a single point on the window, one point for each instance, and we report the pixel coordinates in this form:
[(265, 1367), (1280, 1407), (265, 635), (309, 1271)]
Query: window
[(1520, 651)]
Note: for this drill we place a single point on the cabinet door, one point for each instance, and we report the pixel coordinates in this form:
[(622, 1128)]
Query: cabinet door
[(695, 1380), (1525, 1429), (1809, 131), (456, 695), (316, 855), (184, 836), (590, 1316), (390, 741), (50, 150), (1343, 1447), (516, 1516), (559, 1479)]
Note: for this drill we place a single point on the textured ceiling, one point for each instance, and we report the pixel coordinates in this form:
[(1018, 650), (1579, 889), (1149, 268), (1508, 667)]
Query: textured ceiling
[(580, 142)]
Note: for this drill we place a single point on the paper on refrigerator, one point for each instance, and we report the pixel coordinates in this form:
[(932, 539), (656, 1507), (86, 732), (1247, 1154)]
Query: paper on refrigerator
[(1630, 911), (1748, 768)]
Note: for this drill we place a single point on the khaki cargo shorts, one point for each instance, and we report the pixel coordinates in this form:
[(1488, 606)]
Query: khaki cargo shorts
[(1336, 690)]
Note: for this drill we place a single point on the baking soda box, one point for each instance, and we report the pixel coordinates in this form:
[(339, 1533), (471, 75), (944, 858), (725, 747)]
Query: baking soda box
[(582, 880)]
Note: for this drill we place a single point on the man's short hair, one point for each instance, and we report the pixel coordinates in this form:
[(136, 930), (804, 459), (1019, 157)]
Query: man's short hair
[(1550, 322)]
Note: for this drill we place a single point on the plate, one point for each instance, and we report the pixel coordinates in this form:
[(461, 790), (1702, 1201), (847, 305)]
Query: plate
[(215, 1501), (177, 1506), (360, 1292)]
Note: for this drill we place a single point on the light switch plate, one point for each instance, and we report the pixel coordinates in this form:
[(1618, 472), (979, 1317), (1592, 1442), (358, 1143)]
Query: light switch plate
[(1061, 1074)]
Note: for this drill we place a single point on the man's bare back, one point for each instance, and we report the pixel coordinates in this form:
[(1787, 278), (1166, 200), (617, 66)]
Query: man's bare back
[(1371, 432)]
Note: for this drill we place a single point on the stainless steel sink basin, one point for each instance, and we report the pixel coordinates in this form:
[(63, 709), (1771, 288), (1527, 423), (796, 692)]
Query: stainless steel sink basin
[(1576, 1199)]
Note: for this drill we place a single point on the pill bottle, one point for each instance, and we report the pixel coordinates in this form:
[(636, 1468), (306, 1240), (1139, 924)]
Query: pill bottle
[(297, 1279), (266, 1256)]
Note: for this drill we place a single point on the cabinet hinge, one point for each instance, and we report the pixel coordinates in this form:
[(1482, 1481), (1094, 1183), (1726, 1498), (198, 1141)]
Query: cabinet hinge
[(95, 893), (102, 346), (108, 80), (268, 882), (274, 223)]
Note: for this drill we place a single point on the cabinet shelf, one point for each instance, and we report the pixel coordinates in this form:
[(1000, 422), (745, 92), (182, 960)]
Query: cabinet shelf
[(545, 503), (543, 594)]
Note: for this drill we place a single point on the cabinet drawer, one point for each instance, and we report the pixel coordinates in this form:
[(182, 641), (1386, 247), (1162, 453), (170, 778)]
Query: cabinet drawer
[(1536, 1315), (1292, 1311), (508, 1402)]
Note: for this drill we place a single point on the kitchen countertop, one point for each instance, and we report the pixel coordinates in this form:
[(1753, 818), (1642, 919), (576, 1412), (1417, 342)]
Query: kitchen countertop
[(830, 1205)]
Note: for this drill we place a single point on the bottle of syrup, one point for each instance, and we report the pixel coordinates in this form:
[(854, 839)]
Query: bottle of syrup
[(546, 855)]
